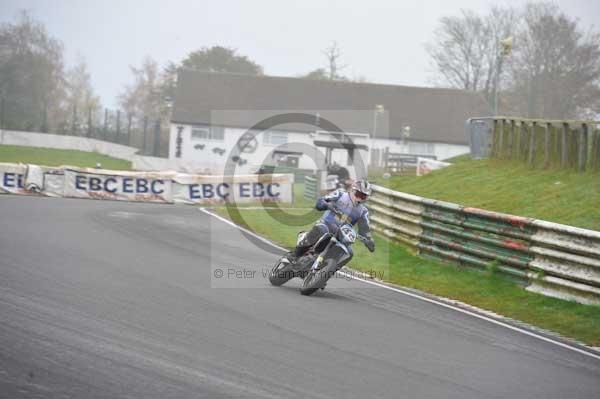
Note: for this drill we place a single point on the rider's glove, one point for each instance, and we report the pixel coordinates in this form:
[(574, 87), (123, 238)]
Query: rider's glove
[(370, 244)]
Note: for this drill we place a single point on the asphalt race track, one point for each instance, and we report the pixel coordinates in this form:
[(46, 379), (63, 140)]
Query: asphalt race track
[(104, 299)]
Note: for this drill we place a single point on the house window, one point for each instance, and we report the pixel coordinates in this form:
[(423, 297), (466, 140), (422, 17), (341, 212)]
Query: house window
[(217, 133), (275, 138), (201, 133), (421, 148)]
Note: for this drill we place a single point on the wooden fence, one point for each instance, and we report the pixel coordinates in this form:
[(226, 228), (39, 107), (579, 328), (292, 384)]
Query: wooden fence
[(548, 143)]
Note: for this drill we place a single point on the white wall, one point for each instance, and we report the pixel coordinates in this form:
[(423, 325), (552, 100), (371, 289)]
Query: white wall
[(46, 140), (139, 162), (262, 156), (206, 156), (208, 162)]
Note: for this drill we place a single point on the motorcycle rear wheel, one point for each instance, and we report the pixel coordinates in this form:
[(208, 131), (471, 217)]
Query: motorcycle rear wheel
[(281, 273)]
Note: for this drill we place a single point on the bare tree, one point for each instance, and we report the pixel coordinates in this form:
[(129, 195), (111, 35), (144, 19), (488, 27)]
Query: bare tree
[(553, 71), (333, 54), (81, 102), (466, 50), (556, 66), (501, 24), (143, 97), (458, 50), (332, 70)]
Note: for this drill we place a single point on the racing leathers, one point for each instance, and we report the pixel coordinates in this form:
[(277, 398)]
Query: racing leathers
[(346, 211)]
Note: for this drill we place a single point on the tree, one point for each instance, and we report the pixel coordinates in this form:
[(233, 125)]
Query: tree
[(221, 59), (556, 67), (466, 51), (333, 54), (166, 87), (168, 80), (552, 72), (80, 98), (147, 98), (332, 69), (143, 97), (31, 75), (317, 74)]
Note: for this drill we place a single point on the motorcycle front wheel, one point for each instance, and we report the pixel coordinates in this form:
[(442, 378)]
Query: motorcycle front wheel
[(317, 279)]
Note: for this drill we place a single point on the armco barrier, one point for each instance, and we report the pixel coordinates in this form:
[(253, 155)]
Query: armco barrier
[(311, 188), (552, 259)]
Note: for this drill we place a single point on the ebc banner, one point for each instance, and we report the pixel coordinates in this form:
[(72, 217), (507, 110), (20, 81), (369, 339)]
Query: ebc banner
[(121, 186), (12, 178), (31, 179), (197, 189)]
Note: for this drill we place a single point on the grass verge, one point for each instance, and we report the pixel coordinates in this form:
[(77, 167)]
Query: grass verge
[(561, 196), (394, 264), (54, 157)]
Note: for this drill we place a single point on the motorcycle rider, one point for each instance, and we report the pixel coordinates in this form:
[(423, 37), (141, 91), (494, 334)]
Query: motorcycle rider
[(341, 207)]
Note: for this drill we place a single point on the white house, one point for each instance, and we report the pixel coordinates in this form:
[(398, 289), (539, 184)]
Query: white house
[(222, 119)]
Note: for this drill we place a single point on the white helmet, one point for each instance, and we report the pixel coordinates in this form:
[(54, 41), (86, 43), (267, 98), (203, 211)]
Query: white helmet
[(362, 190)]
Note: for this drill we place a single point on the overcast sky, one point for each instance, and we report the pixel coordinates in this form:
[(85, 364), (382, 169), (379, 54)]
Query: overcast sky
[(380, 40)]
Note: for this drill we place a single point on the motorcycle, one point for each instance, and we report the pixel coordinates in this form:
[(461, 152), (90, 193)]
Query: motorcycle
[(319, 263)]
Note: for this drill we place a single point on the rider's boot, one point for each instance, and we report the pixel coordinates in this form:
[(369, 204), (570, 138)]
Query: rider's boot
[(309, 239), (296, 253)]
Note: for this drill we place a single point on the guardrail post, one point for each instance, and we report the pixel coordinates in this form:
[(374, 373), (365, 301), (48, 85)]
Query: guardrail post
[(531, 144), (518, 141), (582, 156), (564, 147), (501, 138), (547, 145), (494, 152), (509, 143), (596, 149)]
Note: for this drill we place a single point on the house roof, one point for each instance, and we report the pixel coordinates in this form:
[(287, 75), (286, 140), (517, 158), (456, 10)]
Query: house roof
[(433, 114)]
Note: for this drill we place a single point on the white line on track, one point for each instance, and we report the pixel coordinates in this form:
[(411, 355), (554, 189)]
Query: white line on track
[(422, 298), (254, 208)]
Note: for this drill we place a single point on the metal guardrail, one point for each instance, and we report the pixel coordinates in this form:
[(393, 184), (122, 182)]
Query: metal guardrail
[(550, 258), (310, 187)]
